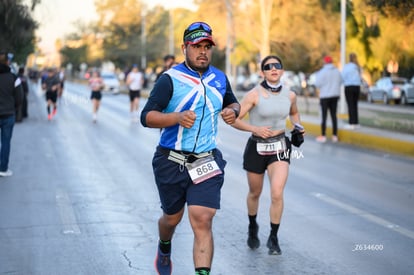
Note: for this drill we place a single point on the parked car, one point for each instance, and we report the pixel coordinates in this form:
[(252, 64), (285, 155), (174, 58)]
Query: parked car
[(387, 89), (292, 80), (407, 95), (310, 88), (363, 95), (246, 83), (111, 83)]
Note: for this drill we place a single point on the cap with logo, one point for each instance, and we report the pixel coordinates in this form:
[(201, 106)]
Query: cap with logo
[(197, 32)]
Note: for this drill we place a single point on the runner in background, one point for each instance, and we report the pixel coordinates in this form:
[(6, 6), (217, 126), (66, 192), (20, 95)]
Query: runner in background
[(96, 84), (51, 85), (135, 82)]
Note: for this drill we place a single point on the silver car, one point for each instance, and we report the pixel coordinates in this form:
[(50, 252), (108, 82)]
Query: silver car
[(387, 89), (111, 83), (408, 92)]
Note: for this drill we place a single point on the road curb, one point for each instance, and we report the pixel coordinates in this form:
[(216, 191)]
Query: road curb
[(366, 140)]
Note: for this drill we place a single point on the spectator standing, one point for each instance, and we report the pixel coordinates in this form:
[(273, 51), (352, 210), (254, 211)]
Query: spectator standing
[(23, 113), (11, 96), (186, 102), (135, 82), (351, 74), (169, 61), (96, 84), (269, 105), (328, 81)]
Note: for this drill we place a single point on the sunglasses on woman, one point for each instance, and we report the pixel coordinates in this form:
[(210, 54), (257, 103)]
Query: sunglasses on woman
[(269, 66)]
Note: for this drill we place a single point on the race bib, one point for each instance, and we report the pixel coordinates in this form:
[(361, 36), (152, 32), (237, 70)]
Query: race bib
[(203, 169), (271, 147)]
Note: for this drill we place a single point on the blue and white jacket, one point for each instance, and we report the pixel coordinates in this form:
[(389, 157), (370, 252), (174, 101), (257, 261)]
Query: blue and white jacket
[(180, 89)]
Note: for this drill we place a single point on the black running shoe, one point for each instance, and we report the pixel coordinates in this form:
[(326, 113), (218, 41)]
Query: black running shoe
[(273, 245), (253, 240)]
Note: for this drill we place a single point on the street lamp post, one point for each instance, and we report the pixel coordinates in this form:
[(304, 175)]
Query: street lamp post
[(171, 32), (343, 50), (229, 43), (143, 37)]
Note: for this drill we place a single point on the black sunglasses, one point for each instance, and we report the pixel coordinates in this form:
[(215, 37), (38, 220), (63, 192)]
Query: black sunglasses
[(269, 66)]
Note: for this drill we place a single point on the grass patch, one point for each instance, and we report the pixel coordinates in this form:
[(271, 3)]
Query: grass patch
[(398, 122)]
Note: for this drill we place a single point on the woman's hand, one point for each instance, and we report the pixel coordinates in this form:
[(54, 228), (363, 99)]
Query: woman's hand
[(263, 131)]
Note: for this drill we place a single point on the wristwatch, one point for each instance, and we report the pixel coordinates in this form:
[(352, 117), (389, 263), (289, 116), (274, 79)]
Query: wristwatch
[(236, 112)]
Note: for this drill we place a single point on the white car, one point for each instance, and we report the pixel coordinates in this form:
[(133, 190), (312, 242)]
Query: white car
[(111, 83), (387, 89), (408, 92), (293, 81)]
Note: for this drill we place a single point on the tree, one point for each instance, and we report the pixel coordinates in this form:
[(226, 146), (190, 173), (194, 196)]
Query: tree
[(120, 25), (379, 35), (74, 55), (399, 9), (17, 27), (301, 32)]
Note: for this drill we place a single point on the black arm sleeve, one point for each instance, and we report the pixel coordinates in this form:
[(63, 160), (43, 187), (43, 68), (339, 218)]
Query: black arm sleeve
[(159, 97), (229, 97)]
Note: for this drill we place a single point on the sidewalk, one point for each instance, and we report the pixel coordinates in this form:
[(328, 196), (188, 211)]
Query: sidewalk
[(382, 140)]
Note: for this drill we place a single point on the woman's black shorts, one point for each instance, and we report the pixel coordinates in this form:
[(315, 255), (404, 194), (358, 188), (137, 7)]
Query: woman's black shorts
[(96, 95), (253, 162)]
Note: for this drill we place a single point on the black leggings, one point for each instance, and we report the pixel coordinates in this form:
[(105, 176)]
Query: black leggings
[(352, 96), (330, 104)]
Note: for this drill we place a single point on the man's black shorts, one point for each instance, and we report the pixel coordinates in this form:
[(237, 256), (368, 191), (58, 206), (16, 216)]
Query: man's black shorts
[(52, 96), (134, 94)]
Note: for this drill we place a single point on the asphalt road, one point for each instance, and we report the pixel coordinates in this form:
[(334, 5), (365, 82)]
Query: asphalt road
[(82, 200)]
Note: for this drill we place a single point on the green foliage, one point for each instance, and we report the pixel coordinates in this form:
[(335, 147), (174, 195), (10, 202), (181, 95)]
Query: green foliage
[(158, 38), (74, 55), (17, 29), (371, 31), (400, 9), (122, 43), (331, 5), (300, 31)]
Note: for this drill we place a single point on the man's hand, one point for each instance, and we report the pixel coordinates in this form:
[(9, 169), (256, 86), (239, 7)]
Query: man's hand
[(186, 118), (228, 115)]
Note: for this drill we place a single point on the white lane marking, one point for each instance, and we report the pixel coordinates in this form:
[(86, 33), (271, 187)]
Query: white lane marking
[(366, 215), (67, 215)]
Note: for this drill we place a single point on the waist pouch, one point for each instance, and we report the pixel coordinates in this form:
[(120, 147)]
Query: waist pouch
[(182, 158)]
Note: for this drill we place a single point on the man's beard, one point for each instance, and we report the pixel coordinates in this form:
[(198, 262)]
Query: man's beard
[(193, 66)]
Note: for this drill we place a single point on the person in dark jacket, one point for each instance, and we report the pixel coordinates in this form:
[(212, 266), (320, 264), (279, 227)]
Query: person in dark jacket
[(22, 112), (11, 96)]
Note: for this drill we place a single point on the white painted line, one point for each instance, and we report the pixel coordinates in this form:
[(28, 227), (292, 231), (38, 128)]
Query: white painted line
[(67, 215), (366, 215)]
